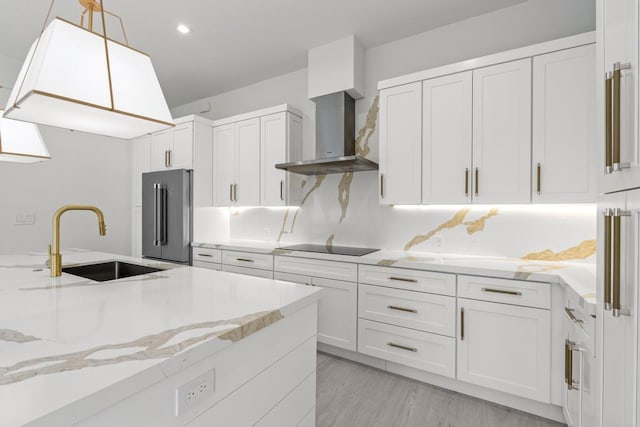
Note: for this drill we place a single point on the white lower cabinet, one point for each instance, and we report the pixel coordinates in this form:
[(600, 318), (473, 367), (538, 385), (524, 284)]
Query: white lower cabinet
[(505, 347), (421, 350)]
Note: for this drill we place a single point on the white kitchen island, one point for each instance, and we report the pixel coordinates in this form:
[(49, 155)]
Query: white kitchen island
[(78, 352)]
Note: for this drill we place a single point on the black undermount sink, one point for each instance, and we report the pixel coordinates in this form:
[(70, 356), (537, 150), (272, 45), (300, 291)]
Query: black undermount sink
[(111, 270)]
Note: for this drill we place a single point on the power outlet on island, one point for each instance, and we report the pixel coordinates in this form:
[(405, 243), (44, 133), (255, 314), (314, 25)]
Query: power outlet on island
[(195, 391)]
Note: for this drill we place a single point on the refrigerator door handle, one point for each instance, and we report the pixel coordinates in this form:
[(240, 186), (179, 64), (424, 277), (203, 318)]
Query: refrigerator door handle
[(163, 216), (156, 210)]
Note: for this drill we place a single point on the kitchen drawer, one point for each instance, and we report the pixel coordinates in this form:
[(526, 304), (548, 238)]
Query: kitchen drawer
[(416, 310), (317, 268), (518, 292), (248, 259), (207, 255), (295, 278), (207, 265), (421, 350), (579, 317), (413, 280), (248, 271)]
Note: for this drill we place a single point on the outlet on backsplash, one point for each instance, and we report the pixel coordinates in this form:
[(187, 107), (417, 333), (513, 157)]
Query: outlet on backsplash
[(25, 219)]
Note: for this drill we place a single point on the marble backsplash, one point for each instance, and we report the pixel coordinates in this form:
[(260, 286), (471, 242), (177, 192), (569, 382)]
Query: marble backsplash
[(343, 209)]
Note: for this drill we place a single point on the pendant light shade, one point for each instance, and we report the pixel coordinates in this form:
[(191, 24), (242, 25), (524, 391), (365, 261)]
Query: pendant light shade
[(76, 79), (21, 142)]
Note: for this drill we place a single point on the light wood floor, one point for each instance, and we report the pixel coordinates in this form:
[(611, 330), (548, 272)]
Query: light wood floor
[(354, 395)]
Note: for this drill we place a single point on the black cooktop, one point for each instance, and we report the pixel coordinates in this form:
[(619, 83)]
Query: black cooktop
[(324, 249)]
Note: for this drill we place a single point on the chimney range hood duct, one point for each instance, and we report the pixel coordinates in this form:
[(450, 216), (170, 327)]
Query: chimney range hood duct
[(335, 139)]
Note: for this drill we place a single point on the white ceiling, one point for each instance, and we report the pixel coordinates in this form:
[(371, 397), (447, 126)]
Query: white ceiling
[(234, 43)]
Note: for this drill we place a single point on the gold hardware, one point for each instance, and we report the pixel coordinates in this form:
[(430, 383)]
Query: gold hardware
[(55, 258), (244, 260), (502, 291), (617, 73), (607, 259), (206, 255), (402, 279), (466, 182), (281, 190), (607, 119), (402, 347), (567, 356), (569, 312), (461, 323), (235, 192), (539, 178), (615, 293), (569, 348), (408, 310), (231, 192), (382, 185), (477, 184), (169, 157), (166, 162)]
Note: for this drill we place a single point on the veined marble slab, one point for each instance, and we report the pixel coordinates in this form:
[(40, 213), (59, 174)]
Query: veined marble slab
[(579, 278), (68, 339)]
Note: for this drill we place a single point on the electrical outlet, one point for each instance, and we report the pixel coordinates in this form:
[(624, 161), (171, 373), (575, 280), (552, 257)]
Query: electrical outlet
[(439, 241), (193, 392), (25, 219)]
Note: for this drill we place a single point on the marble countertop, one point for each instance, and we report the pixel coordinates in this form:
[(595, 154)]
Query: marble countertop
[(69, 344), (579, 278)]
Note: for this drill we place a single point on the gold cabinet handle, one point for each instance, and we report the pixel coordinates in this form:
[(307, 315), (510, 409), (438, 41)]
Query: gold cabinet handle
[(206, 255), (570, 314), (245, 260), (569, 348), (615, 282), (616, 86), (408, 310), (607, 259), (461, 323), (539, 179), (402, 347), (166, 158), (607, 120), (282, 190), (402, 279), (502, 291), (466, 182), (382, 185), (235, 192), (477, 183), (231, 192), (169, 157)]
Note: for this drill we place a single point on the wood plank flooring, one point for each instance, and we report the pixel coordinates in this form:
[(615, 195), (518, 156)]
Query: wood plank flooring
[(352, 395)]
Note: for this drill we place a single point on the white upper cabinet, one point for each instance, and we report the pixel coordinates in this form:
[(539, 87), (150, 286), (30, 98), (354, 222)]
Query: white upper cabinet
[(618, 38), (246, 189), (141, 163), (446, 139), (564, 126), (280, 142), (502, 133), (224, 155), (401, 145), (173, 148)]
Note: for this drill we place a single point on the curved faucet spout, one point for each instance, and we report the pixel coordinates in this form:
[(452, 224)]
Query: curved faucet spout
[(55, 258)]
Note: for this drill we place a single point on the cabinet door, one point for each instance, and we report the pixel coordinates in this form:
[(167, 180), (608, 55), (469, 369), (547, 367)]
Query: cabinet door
[(502, 133), (224, 158), (141, 163), (446, 139), (161, 143), (401, 145), (618, 334), (564, 126), (181, 155), (618, 27), (506, 348), (247, 184), (273, 150), (136, 240), (337, 313)]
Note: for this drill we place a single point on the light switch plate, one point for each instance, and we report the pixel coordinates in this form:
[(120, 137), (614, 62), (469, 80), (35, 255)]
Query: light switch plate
[(25, 219)]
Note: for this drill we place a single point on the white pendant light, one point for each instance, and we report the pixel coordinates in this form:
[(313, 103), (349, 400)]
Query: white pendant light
[(21, 142), (76, 79)]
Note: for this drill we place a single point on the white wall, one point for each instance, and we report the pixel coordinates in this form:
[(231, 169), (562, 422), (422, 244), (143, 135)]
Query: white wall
[(84, 169)]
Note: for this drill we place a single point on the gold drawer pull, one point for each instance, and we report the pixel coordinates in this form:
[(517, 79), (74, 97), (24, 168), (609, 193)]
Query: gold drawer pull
[(572, 317), (402, 347), (244, 260), (502, 291), (402, 279), (408, 310), (206, 255)]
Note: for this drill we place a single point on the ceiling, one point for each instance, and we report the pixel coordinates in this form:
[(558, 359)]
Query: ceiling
[(234, 43)]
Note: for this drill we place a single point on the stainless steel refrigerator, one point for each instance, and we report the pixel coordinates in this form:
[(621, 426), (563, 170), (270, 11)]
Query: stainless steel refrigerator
[(167, 215)]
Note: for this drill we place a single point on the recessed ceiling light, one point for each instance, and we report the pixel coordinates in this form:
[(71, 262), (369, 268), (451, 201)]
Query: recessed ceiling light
[(183, 29)]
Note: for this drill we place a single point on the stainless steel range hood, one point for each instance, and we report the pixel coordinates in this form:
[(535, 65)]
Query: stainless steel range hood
[(335, 139)]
